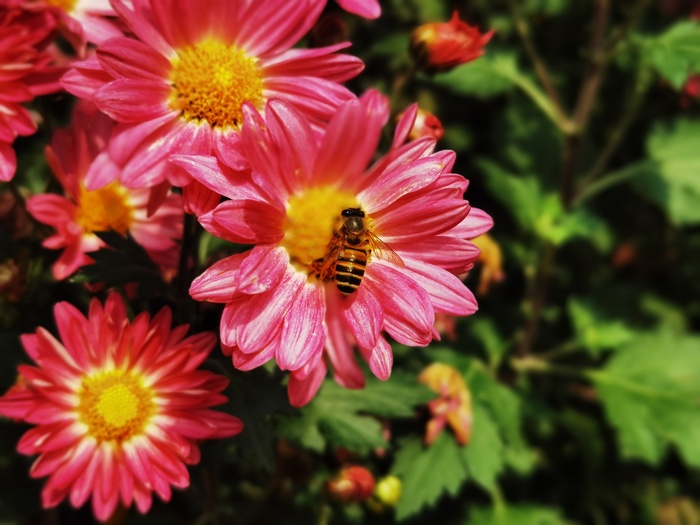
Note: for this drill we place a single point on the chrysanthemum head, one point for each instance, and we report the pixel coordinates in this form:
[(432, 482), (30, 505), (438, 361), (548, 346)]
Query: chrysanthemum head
[(119, 407), (210, 82), (105, 209), (115, 405)]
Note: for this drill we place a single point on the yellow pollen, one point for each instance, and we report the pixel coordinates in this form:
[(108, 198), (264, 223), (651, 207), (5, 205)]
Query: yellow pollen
[(313, 217), (104, 209), (64, 5), (211, 81), (115, 405)]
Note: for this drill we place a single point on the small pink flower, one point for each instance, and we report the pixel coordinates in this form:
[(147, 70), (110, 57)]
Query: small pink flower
[(82, 212), (180, 85), (25, 72), (278, 304), (453, 407), (364, 8), (119, 406)]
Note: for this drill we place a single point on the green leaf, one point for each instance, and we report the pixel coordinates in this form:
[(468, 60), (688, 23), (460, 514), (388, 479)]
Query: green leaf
[(670, 178), (515, 515), (486, 332), (594, 331), (481, 78), (493, 74), (651, 394), (344, 417), (427, 473), (504, 408), (521, 196), (676, 53), (483, 454), (122, 262), (253, 397)]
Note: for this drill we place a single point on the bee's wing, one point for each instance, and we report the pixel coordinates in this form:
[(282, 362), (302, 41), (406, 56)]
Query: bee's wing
[(382, 250)]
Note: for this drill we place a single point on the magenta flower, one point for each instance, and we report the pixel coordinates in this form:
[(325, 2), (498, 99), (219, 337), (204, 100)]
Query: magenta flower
[(25, 72), (279, 304), (82, 212), (180, 86), (119, 406)]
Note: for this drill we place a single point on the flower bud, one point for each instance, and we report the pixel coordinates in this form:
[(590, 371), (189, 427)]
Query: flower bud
[(443, 46), (352, 484), (425, 125), (388, 491)]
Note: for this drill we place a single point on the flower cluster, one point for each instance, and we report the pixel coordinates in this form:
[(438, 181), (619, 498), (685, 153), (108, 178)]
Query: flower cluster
[(215, 109)]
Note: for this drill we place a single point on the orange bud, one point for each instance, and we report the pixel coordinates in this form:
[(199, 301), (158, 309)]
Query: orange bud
[(491, 258), (352, 484), (443, 46)]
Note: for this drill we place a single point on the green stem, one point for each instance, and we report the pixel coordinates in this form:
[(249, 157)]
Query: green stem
[(612, 179), (190, 235), (641, 88)]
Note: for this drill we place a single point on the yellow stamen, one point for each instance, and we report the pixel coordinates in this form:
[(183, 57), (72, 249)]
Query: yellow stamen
[(65, 5), (115, 405), (313, 217), (211, 81), (104, 209)]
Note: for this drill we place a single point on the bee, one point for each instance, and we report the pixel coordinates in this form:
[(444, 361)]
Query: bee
[(348, 251)]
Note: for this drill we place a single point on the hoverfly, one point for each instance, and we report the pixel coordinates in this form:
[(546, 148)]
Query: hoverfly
[(348, 251)]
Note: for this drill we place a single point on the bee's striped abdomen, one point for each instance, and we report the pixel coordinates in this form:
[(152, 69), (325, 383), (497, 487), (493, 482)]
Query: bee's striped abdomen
[(350, 269)]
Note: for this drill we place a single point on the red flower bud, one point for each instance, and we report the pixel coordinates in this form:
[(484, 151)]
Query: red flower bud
[(352, 484), (442, 46)]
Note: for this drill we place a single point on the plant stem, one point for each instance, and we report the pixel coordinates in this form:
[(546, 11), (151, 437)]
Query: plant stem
[(641, 87), (538, 63), (585, 102), (190, 234), (536, 299)]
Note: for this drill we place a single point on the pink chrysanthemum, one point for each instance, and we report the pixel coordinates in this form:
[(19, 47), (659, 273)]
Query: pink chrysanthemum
[(364, 8), (119, 406), (81, 213), (180, 87), (276, 307), (25, 72)]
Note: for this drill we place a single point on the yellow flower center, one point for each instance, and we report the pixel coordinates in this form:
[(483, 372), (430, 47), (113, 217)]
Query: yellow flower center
[(64, 5), (104, 209), (313, 217), (211, 81), (115, 405)]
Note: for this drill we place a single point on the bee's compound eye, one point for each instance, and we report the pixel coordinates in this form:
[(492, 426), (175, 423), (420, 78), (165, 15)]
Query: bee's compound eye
[(353, 212)]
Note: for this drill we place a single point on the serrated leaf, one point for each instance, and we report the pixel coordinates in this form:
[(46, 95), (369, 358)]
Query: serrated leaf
[(670, 177), (595, 331), (427, 473), (651, 394), (345, 417), (504, 408), (676, 53), (483, 454), (515, 515)]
